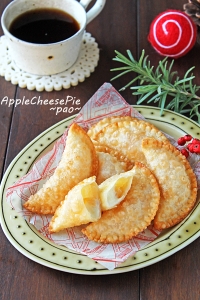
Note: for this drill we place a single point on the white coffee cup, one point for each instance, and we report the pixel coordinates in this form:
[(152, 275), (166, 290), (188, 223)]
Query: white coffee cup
[(48, 59)]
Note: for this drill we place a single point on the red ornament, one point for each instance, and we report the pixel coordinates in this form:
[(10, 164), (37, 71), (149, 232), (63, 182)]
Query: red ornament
[(173, 33)]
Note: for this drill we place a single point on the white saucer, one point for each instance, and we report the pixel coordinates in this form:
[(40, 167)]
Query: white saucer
[(84, 66)]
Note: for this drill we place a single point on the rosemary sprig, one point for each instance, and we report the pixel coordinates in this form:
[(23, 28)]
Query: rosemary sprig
[(156, 86)]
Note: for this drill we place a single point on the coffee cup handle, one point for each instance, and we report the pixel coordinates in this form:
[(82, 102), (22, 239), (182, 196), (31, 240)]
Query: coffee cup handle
[(95, 10)]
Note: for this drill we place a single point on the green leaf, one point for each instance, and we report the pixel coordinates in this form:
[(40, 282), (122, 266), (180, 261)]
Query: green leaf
[(144, 97), (121, 74), (155, 98), (145, 88), (162, 102), (131, 82), (141, 58), (176, 103), (183, 80), (130, 56)]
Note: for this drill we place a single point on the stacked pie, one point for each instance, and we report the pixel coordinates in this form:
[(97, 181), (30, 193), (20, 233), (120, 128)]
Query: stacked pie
[(115, 180)]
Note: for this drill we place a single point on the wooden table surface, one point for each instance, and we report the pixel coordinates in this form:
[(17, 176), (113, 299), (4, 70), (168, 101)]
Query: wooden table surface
[(122, 25)]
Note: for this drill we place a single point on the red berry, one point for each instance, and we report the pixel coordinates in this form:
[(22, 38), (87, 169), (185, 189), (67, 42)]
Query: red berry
[(196, 148), (185, 152), (181, 141), (190, 147), (187, 137), (195, 141)]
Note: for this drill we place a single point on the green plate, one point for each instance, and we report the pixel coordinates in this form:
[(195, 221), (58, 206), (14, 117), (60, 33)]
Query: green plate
[(25, 238)]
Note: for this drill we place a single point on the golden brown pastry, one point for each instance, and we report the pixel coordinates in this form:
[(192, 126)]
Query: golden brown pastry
[(111, 162), (97, 127), (127, 136), (176, 179), (81, 206), (79, 161), (133, 214)]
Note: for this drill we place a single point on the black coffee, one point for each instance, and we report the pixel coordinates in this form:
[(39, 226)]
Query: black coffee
[(44, 26)]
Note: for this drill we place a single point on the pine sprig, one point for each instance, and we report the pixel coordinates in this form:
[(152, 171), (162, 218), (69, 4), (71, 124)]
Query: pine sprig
[(156, 85)]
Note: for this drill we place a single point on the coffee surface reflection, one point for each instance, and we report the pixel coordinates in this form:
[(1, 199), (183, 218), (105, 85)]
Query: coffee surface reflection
[(44, 26)]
